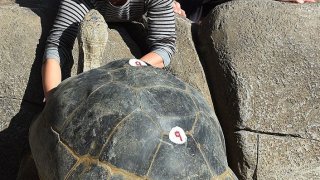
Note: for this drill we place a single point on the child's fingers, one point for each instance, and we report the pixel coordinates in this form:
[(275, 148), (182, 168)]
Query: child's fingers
[(183, 13), (177, 9)]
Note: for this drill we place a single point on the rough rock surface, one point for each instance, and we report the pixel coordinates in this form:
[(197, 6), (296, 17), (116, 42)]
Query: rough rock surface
[(20, 32), (6, 2), (263, 60), (186, 63)]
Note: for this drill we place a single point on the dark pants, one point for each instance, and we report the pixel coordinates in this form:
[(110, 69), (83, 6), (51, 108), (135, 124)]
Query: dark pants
[(197, 9)]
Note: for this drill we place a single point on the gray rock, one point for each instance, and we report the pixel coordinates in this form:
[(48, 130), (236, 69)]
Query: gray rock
[(278, 157), (20, 32), (186, 63), (246, 153), (288, 158), (9, 108), (120, 45), (6, 2), (263, 60)]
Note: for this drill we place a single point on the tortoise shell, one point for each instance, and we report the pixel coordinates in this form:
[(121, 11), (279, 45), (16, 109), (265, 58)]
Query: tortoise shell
[(124, 122)]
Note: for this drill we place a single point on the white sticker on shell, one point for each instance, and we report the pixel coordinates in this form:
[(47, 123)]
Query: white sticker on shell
[(177, 135), (137, 62)]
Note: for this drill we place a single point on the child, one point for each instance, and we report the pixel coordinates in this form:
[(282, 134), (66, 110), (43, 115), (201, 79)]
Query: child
[(161, 31)]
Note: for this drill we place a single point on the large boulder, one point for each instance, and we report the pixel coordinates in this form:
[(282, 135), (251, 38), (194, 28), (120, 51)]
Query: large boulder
[(263, 60), (19, 34)]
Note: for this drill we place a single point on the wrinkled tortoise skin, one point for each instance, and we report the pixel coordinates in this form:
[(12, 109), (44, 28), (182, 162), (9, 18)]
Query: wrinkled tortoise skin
[(113, 123)]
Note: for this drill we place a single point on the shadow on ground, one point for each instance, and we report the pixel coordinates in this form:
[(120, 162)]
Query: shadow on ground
[(14, 143)]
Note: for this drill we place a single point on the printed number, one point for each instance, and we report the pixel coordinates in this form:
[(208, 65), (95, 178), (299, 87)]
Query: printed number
[(177, 134)]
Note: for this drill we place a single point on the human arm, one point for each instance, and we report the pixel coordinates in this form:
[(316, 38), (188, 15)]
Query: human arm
[(51, 76), (161, 32), (60, 42), (154, 59)]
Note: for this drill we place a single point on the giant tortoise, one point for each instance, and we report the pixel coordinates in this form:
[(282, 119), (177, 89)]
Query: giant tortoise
[(128, 122)]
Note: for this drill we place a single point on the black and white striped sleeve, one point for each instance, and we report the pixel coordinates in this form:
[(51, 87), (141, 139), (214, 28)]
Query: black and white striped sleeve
[(65, 28), (161, 28)]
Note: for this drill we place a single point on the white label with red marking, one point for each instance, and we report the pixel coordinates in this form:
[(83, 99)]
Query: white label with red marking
[(177, 135), (137, 62)]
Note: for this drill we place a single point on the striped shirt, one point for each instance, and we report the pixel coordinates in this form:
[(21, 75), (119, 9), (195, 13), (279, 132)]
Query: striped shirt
[(160, 24)]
